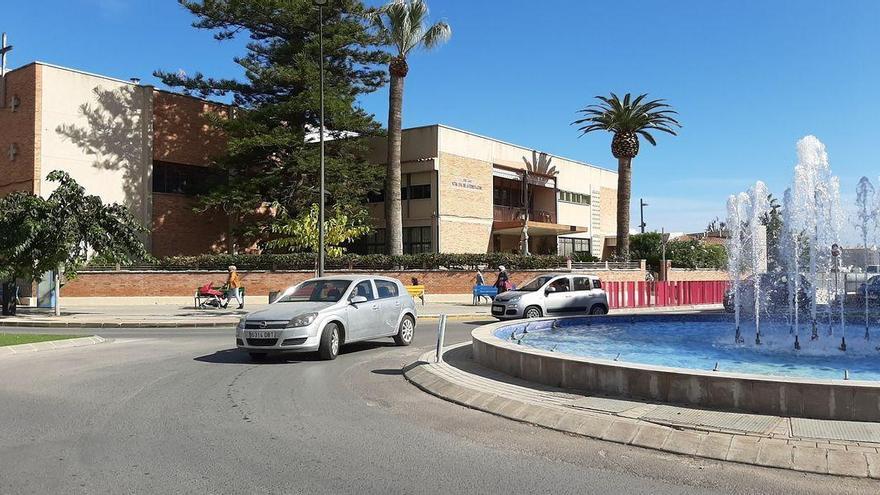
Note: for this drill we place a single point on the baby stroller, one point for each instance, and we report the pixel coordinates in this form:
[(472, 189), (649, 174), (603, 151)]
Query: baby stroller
[(207, 296)]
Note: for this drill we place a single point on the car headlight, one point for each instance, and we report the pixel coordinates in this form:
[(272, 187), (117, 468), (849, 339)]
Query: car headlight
[(303, 319), (240, 326), (514, 299)]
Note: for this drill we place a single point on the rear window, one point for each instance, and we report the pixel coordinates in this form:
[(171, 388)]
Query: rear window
[(582, 283), (386, 289), (597, 284)]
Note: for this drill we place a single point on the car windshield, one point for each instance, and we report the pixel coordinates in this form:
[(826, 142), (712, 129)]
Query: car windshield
[(317, 291), (535, 283)]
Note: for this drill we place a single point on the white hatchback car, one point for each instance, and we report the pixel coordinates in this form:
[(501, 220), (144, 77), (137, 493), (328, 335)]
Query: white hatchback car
[(551, 295), (321, 314)]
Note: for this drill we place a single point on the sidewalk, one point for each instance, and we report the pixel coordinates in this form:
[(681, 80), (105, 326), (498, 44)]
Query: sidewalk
[(181, 316), (842, 448)]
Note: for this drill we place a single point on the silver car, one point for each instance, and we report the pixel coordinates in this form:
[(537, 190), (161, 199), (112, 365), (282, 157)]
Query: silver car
[(322, 314), (551, 295)]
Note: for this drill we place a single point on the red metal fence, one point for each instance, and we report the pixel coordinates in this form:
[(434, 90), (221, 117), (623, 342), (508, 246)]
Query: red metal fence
[(647, 294)]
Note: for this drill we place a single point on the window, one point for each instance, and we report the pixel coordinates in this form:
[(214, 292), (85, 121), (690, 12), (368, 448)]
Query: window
[(386, 289), (568, 246), (364, 289), (317, 291), (573, 197), (416, 240), (559, 285), (372, 243), (581, 283), (417, 191), (191, 180), (421, 191), (597, 284)]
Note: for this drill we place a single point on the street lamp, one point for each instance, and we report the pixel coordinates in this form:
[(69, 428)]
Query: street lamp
[(642, 206), (321, 4)]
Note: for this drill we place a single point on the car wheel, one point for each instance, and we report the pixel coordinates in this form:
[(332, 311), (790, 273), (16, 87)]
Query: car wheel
[(329, 347), (257, 356), (532, 312), (406, 331), (598, 309)]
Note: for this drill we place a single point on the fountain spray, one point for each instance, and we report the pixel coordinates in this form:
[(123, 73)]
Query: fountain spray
[(867, 226), (792, 256), (734, 248), (759, 206)]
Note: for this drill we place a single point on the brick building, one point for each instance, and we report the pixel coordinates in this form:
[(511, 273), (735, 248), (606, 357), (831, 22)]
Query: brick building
[(126, 142), (152, 151)]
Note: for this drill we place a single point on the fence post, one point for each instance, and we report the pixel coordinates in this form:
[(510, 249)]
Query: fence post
[(441, 336)]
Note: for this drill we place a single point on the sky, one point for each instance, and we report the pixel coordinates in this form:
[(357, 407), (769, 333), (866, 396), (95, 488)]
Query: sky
[(749, 78)]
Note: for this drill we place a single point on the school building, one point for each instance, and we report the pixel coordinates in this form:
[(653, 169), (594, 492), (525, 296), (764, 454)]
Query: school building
[(152, 151)]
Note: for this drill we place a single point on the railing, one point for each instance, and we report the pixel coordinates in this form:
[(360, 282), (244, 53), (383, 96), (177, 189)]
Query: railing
[(651, 294), (605, 265), (514, 213)]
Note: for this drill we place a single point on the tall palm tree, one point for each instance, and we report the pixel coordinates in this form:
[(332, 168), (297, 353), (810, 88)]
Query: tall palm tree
[(627, 119), (403, 23)]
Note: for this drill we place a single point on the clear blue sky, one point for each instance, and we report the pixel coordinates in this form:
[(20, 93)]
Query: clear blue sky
[(748, 77)]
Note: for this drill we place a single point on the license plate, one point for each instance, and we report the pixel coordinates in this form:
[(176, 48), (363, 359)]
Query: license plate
[(262, 335), (497, 310)]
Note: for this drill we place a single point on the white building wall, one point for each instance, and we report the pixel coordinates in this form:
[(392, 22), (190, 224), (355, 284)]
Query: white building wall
[(98, 130)]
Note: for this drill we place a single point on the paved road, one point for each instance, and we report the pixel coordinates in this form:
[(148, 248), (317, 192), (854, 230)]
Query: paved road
[(173, 411)]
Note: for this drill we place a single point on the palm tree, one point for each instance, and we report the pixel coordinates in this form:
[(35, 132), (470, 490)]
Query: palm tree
[(627, 119), (403, 24)]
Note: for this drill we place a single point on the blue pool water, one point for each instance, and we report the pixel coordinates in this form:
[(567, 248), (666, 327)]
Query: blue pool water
[(699, 342)]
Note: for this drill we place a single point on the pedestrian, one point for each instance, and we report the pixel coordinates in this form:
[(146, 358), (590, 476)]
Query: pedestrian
[(480, 279), (649, 277), (502, 282), (233, 287)]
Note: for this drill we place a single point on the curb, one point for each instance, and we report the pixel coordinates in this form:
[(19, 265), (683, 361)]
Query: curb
[(100, 324), (50, 345), (742, 449)]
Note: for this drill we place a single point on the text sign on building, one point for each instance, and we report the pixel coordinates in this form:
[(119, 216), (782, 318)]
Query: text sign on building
[(465, 183)]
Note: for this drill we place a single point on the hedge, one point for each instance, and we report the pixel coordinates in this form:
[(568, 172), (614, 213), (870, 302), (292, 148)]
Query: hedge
[(306, 261)]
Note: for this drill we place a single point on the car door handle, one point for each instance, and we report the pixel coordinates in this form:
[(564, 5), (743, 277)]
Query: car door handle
[(375, 307)]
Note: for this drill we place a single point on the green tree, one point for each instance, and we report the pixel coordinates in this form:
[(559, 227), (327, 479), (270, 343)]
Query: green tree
[(696, 254), (647, 247), (627, 120), (271, 156), (403, 26), (61, 232), (301, 233)]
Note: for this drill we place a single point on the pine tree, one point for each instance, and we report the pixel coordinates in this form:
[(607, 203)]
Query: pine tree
[(271, 155)]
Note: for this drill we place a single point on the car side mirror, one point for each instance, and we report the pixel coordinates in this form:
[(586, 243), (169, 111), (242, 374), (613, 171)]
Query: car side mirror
[(550, 290), (358, 300)]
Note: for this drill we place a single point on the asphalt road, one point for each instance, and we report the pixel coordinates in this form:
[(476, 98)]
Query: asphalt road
[(182, 411)]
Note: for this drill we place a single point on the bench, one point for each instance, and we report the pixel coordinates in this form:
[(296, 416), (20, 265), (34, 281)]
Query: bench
[(480, 291), (416, 291), (202, 301)]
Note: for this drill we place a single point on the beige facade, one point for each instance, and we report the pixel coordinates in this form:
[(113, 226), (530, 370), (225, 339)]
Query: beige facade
[(479, 186)]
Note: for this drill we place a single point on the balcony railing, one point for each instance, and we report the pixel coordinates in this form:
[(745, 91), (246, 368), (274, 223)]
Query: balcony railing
[(513, 213)]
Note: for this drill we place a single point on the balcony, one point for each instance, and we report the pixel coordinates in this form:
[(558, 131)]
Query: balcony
[(514, 214)]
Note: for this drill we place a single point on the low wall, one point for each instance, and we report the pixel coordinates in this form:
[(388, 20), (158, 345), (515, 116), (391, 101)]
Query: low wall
[(685, 275), (818, 399), (260, 283)]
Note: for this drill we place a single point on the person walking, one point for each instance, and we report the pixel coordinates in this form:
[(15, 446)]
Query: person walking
[(502, 282), (233, 287), (480, 279)]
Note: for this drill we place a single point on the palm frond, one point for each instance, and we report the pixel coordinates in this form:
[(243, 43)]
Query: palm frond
[(630, 115)]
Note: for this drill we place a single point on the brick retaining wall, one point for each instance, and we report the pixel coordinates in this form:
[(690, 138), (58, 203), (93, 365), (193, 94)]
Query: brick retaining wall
[(153, 283)]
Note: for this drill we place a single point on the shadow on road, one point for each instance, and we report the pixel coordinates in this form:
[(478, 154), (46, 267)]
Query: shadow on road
[(238, 356)]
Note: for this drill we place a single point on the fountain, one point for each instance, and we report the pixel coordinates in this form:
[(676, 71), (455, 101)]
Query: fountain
[(778, 280)]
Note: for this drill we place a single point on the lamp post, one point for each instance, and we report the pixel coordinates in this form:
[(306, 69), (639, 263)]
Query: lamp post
[(642, 206), (664, 238), (321, 248)]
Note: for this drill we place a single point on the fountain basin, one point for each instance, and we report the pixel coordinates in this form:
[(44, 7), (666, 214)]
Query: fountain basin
[(597, 372)]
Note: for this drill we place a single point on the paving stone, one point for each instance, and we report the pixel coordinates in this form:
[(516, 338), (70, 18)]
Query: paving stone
[(683, 442), (743, 449), (595, 427), (873, 465), (775, 455), (857, 448), (802, 443), (651, 437), (570, 422), (831, 446), (715, 446), (621, 432), (847, 463), (811, 460)]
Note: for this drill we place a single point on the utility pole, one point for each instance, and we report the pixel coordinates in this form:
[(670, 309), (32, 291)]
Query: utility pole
[(642, 206)]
